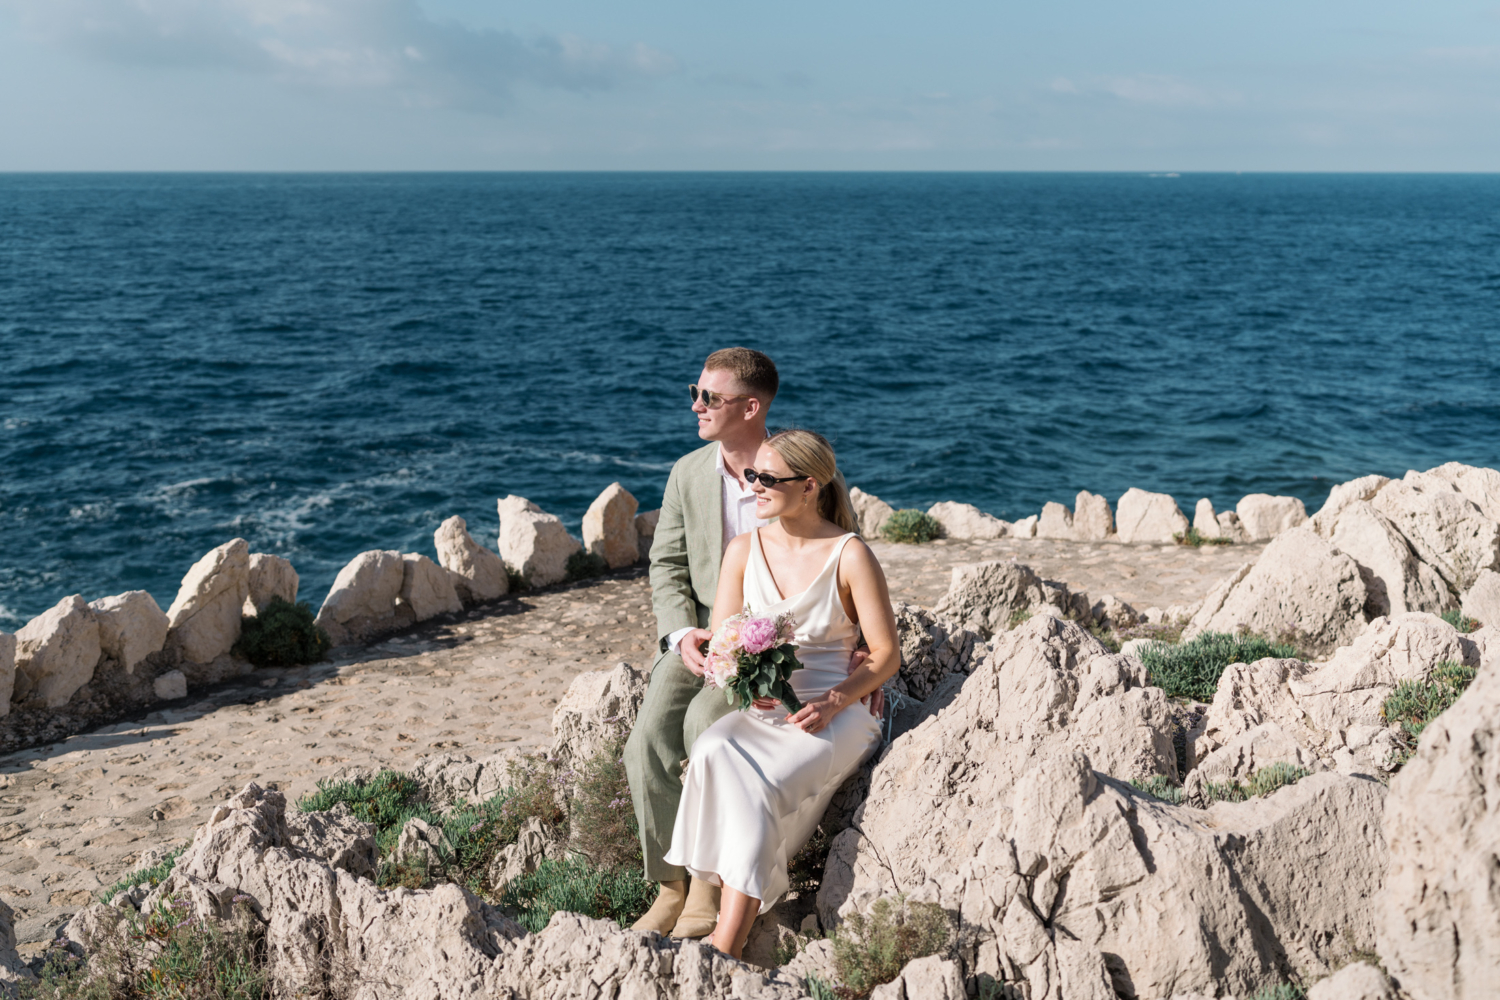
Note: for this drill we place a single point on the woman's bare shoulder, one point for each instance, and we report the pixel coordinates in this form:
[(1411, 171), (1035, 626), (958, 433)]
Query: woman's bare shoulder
[(858, 557)]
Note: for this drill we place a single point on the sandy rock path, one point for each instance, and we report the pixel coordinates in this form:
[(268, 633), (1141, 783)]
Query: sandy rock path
[(76, 815)]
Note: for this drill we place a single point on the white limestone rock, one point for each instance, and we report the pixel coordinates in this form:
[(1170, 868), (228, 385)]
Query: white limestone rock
[(270, 576), (170, 686), (1362, 489), (1482, 601), (1128, 735), (1025, 527), (870, 511), (1445, 528), (931, 651), (609, 527), (478, 574), (7, 671), (1113, 613), (13, 969), (1397, 580), (645, 531), (362, 600), (599, 706), (56, 653), (1231, 528), (426, 588), (205, 617), (984, 596), (1056, 521), (132, 626), (932, 978), (1439, 929), (1264, 516), (964, 520), (337, 838), (1249, 751), (1093, 521), (1148, 517), (533, 543), (1205, 521), (1301, 585), (1480, 486), (1358, 981)]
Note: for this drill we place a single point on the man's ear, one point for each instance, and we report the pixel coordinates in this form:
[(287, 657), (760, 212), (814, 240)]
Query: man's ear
[(752, 407)]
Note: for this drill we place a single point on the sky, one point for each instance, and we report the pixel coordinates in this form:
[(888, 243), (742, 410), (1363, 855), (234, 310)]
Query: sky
[(1270, 85)]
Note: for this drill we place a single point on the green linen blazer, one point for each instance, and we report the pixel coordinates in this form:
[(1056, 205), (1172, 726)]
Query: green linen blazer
[(688, 548)]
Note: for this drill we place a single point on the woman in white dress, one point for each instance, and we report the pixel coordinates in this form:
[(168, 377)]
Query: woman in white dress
[(758, 781)]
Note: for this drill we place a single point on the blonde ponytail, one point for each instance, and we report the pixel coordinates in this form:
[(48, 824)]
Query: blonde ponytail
[(808, 453)]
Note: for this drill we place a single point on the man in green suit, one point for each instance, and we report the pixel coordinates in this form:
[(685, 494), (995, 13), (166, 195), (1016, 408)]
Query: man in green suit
[(706, 503)]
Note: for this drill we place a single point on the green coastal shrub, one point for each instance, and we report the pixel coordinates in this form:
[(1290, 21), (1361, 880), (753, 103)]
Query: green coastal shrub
[(604, 827), (575, 885), (1159, 786), (282, 635), (1281, 991), (149, 877), (910, 527), (1414, 704), (1461, 621), (585, 565), (168, 954), (1192, 669), (869, 951), (1263, 782), (1197, 540)]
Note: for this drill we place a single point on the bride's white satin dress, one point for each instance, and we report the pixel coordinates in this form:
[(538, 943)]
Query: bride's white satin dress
[(756, 785)]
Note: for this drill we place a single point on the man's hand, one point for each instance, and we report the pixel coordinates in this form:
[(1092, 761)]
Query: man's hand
[(689, 649)]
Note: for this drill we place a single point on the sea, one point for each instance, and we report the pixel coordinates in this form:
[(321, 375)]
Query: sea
[(327, 363)]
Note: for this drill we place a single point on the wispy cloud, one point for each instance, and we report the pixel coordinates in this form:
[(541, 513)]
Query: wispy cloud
[(387, 45), (1143, 88)]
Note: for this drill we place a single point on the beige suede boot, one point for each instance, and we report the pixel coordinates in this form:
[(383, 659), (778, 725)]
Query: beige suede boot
[(662, 916), (701, 914)]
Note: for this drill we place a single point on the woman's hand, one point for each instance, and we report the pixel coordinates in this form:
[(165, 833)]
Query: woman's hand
[(818, 713), (765, 704)]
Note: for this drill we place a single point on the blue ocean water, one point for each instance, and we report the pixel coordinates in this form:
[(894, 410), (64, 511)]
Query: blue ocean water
[(329, 363)]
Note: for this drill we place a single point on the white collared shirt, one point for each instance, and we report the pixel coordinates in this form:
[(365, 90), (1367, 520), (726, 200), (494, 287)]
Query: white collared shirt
[(738, 518)]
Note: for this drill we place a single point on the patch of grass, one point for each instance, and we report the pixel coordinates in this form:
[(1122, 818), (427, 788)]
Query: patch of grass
[(1167, 632), (1460, 621), (1197, 540), (574, 885), (149, 877), (1414, 704), (910, 527), (1106, 636), (283, 635), (1263, 782), (1018, 617), (585, 565), (869, 951), (1192, 669), (168, 954), (1281, 991), (819, 990), (1159, 786)]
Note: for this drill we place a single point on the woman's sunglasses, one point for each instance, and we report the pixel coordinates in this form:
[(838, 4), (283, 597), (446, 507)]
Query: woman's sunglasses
[(751, 476), (712, 400)]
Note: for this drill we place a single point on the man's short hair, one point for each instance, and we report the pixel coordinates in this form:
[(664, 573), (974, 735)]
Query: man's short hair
[(751, 369)]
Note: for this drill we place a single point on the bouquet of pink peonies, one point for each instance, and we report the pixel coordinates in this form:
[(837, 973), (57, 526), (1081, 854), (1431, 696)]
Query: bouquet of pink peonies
[(752, 657)]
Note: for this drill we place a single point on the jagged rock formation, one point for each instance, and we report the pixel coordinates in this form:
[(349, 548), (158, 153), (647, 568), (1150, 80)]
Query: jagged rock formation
[(362, 600), (964, 520), (987, 597), (1263, 517), (645, 531), (870, 511), (1148, 517), (132, 626), (205, 616), (427, 589), (56, 653), (270, 576)]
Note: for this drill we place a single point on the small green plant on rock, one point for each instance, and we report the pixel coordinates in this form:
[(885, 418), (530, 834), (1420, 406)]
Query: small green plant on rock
[(1281, 991), (585, 565), (1461, 621), (869, 951), (910, 527), (603, 819), (150, 877), (1192, 669), (282, 635), (1197, 539), (1414, 704), (1159, 786), (1263, 782), (168, 953)]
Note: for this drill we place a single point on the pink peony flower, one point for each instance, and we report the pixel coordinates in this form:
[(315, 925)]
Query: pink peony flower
[(758, 635)]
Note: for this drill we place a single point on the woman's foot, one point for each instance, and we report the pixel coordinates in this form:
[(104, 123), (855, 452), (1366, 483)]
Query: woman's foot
[(662, 916)]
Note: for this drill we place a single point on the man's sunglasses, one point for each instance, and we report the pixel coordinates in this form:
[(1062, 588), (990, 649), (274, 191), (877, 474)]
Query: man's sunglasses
[(712, 400), (751, 476)]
